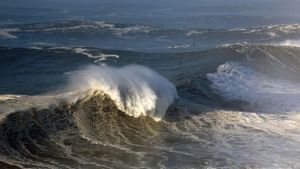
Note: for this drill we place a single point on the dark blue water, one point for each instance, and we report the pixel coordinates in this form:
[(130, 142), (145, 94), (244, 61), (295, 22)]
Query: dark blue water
[(159, 26)]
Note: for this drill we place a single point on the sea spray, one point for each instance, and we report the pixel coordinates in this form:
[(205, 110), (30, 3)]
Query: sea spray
[(136, 90)]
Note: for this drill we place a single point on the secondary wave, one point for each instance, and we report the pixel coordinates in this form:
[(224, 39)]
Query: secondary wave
[(236, 81)]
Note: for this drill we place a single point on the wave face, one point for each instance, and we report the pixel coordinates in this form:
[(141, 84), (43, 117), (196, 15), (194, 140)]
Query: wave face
[(93, 108), (58, 137)]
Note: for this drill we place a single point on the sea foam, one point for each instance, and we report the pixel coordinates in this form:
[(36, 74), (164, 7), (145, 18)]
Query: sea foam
[(235, 81), (290, 42)]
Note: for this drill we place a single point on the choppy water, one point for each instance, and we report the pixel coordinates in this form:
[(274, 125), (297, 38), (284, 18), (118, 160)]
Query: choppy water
[(108, 88)]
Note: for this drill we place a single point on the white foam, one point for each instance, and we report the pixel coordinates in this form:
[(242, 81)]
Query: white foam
[(259, 140), (43, 44), (8, 97), (236, 82), (179, 46), (13, 103), (193, 32), (97, 25), (289, 42), (283, 28), (289, 28), (99, 57), (136, 90), (272, 34)]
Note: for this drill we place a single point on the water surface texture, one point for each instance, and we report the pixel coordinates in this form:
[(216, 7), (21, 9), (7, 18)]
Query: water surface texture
[(149, 84)]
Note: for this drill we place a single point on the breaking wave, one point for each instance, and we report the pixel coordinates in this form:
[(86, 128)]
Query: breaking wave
[(136, 90)]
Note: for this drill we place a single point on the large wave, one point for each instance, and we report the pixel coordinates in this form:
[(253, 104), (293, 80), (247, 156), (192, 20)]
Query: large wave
[(136, 90)]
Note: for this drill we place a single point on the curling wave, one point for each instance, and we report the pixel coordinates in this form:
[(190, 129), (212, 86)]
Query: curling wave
[(136, 90)]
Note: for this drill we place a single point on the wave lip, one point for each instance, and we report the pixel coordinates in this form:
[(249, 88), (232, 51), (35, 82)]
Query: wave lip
[(136, 90)]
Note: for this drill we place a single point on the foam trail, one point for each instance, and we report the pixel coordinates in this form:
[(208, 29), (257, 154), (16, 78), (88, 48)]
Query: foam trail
[(99, 58), (136, 90)]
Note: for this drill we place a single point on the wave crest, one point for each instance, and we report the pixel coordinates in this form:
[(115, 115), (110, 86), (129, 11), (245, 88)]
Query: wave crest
[(136, 90)]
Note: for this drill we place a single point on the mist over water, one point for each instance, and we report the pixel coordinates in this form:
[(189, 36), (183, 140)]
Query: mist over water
[(140, 84)]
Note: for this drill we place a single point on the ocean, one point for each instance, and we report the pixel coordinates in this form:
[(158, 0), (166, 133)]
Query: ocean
[(150, 84)]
